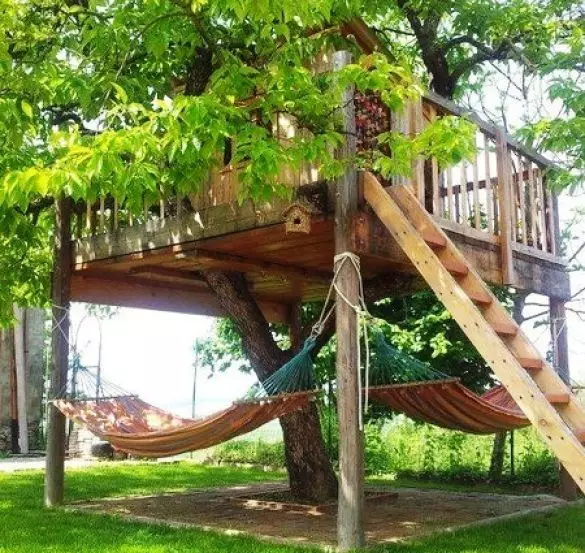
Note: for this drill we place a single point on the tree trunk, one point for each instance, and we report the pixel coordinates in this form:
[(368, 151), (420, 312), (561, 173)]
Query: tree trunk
[(311, 475), (497, 461)]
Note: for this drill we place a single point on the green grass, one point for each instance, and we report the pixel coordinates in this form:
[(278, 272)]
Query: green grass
[(25, 527)]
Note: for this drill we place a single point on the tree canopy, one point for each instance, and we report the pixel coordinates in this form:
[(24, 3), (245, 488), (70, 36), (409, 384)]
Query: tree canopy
[(139, 99)]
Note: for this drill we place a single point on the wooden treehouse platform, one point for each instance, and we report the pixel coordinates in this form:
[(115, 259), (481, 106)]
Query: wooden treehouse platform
[(497, 211)]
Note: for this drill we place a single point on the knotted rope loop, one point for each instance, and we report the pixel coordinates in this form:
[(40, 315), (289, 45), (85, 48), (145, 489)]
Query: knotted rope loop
[(362, 316)]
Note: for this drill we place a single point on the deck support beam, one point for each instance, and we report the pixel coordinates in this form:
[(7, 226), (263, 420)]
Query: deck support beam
[(350, 530), (61, 285), (568, 489)]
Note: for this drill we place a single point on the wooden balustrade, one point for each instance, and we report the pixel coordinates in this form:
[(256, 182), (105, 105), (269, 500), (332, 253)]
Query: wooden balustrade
[(500, 192)]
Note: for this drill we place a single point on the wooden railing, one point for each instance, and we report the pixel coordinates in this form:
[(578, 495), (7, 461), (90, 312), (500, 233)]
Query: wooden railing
[(499, 196)]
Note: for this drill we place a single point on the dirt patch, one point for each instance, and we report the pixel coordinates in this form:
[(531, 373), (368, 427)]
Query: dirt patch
[(264, 510)]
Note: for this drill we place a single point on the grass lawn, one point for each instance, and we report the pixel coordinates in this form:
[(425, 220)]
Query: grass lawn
[(25, 527)]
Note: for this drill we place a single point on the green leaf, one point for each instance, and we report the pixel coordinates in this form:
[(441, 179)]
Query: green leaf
[(26, 108)]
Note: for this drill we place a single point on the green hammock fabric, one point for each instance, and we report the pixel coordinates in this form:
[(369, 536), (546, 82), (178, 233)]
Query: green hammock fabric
[(389, 365), (294, 376)]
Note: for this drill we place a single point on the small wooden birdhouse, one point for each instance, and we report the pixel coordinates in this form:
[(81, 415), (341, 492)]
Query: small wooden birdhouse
[(297, 218)]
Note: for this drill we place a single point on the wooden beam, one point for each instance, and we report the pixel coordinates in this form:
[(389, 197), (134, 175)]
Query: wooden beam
[(61, 287), (112, 288), (350, 510), (241, 263), (167, 272)]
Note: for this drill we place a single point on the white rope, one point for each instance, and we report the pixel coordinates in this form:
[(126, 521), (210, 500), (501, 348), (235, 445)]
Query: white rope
[(362, 315)]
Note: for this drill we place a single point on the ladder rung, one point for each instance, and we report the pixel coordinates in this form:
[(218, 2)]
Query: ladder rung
[(479, 297), (561, 398), (530, 363), (455, 267), (580, 434), (505, 329), (433, 238)]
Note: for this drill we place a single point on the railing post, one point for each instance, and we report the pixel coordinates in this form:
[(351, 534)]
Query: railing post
[(504, 208), (418, 169)]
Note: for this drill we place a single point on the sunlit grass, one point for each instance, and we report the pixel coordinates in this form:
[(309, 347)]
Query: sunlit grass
[(26, 527)]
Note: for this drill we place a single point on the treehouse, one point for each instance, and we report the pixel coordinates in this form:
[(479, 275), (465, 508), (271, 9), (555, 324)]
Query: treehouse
[(496, 209), (488, 220)]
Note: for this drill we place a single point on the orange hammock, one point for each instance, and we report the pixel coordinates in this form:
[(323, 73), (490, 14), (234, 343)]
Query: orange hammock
[(449, 404), (136, 427)]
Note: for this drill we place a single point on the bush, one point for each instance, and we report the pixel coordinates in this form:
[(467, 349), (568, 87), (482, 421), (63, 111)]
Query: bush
[(256, 452), (404, 448)]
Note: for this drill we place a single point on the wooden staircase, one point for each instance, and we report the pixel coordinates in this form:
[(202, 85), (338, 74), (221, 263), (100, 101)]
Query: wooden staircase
[(532, 382)]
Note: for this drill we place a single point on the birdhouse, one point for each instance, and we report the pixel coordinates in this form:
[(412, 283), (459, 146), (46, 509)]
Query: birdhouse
[(297, 218)]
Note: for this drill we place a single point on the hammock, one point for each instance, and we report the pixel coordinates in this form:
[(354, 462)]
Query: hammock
[(449, 404), (136, 427), (407, 385)]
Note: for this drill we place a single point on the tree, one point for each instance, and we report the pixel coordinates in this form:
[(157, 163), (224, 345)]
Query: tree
[(139, 99)]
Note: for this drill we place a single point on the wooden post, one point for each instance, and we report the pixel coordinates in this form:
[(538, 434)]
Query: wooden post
[(61, 284), (560, 345), (20, 364), (504, 207), (350, 531)]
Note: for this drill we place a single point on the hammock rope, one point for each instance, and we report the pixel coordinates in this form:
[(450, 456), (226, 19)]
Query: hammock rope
[(389, 365)]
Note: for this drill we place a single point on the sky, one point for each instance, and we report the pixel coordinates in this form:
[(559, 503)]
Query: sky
[(150, 353)]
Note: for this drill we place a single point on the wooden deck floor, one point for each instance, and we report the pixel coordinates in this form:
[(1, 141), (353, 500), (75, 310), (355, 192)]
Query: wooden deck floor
[(157, 265)]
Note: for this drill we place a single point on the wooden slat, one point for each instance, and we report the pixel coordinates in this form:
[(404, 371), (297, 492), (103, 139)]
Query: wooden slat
[(558, 399), (505, 329), (541, 212), (532, 207), (530, 363), (522, 192), (488, 187), (476, 204), (455, 267), (463, 189), (450, 208), (435, 184), (551, 222), (513, 185)]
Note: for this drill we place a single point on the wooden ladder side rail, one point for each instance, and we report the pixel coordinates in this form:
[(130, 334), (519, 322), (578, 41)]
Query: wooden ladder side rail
[(546, 378), (531, 399)]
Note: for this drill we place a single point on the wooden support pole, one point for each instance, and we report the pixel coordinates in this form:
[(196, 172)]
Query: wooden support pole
[(568, 489), (350, 530), (61, 284), (20, 364), (504, 207)]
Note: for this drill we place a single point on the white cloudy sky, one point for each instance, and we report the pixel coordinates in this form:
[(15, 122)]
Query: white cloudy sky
[(151, 353)]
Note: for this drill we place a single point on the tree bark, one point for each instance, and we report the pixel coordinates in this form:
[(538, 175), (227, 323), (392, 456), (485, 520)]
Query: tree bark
[(497, 461), (311, 475)]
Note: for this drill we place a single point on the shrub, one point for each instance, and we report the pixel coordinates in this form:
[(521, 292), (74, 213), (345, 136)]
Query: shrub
[(404, 448)]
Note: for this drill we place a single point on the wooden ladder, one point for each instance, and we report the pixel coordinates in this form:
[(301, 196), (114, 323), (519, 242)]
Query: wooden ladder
[(532, 382)]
